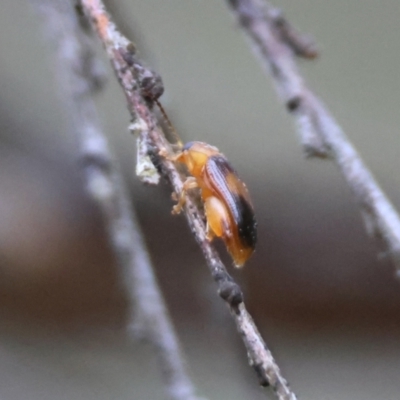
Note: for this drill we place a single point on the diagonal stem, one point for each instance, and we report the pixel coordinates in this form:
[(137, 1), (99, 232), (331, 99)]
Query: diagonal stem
[(320, 134), (76, 67), (141, 88)]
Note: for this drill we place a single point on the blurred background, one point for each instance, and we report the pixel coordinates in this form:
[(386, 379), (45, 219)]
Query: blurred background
[(329, 310)]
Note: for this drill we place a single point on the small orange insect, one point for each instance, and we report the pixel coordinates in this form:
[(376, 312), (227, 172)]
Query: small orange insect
[(227, 203)]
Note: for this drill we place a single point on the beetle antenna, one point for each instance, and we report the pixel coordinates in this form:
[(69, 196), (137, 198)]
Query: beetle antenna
[(169, 123)]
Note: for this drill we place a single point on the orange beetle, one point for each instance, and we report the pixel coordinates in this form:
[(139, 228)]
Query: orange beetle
[(227, 203)]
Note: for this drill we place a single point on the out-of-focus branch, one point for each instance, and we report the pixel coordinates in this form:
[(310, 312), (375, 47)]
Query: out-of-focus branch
[(142, 87), (276, 43), (75, 69)]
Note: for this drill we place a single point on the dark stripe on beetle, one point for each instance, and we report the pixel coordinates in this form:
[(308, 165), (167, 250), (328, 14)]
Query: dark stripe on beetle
[(247, 226), (218, 168)]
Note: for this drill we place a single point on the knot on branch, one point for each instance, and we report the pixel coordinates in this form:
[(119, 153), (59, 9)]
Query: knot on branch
[(151, 85), (293, 103), (302, 45), (260, 371), (96, 160), (231, 293)]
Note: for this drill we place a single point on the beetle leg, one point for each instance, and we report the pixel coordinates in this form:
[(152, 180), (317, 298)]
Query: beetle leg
[(209, 233), (190, 183), (218, 220)]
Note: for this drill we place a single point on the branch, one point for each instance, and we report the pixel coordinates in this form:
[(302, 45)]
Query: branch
[(142, 87), (75, 67), (276, 43)]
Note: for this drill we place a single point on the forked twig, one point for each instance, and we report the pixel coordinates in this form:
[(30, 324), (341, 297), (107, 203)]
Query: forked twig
[(142, 87), (276, 43), (76, 68)]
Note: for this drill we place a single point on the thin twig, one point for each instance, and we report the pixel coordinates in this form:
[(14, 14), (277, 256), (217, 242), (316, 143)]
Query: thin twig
[(320, 134), (140, 98), (75, 60)]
